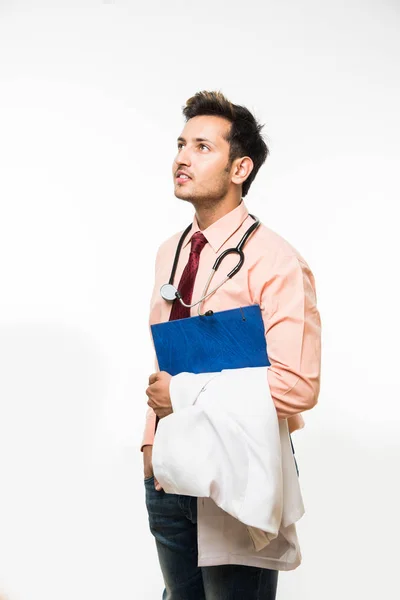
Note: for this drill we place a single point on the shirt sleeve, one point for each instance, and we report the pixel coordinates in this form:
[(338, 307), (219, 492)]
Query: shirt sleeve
[(293, 335), (154, 317)]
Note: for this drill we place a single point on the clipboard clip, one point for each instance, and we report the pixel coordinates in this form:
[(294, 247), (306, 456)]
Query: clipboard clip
[(209, 313)]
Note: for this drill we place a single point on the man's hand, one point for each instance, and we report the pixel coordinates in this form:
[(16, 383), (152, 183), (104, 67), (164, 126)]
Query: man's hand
[(158, 394)]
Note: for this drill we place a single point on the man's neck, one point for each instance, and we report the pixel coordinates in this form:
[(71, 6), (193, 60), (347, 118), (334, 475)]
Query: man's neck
[(207, 215)]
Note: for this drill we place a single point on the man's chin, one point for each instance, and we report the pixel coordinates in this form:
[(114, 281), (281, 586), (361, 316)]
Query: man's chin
[(182, 194)]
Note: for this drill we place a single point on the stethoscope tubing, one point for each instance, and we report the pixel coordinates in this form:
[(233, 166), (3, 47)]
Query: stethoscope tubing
[(237, 250), (177, 254)]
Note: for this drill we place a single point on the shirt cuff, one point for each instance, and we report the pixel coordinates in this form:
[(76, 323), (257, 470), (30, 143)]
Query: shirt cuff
[(148, 434)]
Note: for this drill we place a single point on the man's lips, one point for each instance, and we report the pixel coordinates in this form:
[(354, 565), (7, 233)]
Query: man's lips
[(182, 178)]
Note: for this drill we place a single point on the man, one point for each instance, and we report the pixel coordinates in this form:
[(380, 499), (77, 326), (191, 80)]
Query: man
[(219, 153)]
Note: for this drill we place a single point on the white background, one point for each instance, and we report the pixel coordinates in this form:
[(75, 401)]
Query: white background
[(90, 109)]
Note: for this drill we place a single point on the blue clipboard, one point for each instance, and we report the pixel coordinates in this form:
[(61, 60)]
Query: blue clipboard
[(229, 339)]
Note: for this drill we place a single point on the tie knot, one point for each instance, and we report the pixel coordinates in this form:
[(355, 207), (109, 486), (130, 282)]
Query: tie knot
[(198, 242)]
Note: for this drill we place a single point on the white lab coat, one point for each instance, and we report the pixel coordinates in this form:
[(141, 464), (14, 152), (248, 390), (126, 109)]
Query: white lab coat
[(223, 443)]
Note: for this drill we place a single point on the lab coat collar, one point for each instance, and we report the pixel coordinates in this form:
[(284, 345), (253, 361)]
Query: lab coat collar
[(220, 231)]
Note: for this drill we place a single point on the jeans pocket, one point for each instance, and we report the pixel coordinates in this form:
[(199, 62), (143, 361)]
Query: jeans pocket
[(148, 479)]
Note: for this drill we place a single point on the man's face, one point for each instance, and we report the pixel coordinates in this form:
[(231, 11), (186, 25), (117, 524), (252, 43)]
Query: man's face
[(203, 155)]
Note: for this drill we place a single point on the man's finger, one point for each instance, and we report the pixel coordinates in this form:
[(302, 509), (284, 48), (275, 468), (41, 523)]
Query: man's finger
[(153, 378)]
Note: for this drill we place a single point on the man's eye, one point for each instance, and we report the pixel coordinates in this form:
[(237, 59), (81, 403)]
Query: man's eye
[(204, 146), (180, 146)]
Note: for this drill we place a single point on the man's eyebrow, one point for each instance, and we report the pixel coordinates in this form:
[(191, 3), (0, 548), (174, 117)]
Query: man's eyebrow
[(198, 139)]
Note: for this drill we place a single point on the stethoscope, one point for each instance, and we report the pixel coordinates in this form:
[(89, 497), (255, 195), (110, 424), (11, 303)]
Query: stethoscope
[(169, 292)]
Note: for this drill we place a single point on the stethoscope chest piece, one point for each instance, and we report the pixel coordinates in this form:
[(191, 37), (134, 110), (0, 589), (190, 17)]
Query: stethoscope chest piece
[(168, 292)]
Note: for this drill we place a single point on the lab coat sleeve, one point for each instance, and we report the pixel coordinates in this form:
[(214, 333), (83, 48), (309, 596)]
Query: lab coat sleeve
[(185, 388), (293, 335)]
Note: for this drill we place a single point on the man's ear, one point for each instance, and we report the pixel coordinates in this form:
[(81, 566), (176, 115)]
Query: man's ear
[(242, 167)]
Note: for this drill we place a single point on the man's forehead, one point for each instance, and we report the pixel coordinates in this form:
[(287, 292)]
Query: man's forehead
[(208, 127)]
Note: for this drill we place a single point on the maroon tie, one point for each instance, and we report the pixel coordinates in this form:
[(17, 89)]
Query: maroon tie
[(186, 283)]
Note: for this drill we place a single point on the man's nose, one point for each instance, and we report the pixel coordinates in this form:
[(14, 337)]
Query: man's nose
[(183, 157)]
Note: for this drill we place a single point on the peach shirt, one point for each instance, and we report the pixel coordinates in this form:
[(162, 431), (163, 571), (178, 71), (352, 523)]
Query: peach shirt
[(275, 277)]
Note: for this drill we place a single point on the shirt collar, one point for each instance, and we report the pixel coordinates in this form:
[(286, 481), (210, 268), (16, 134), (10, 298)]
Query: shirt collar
[(220, 231)]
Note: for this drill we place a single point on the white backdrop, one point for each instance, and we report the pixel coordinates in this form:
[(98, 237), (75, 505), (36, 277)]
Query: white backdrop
[(90, 109)]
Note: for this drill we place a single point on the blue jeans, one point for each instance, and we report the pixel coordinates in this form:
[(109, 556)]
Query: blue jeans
[(173, 523)]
